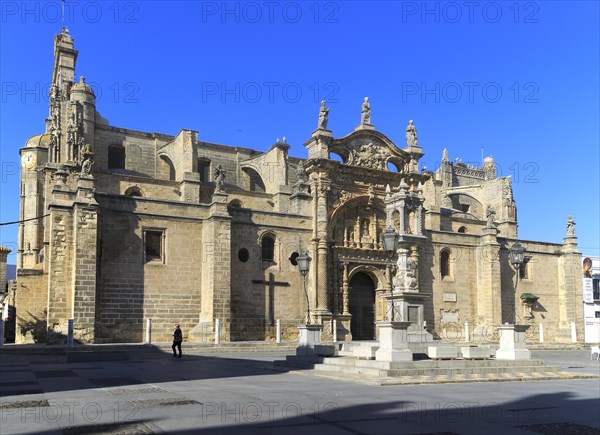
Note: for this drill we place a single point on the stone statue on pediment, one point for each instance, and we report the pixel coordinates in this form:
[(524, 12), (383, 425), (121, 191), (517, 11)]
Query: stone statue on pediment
[(323, 116), (570, 226), (86, 166), (491, 214), (365, 115), (219, 179), (411, 135)]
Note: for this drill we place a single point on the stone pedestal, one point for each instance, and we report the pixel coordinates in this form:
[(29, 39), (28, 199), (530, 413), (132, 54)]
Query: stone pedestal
[(393, 342), (512, 342), (409, 306), (310, 336)]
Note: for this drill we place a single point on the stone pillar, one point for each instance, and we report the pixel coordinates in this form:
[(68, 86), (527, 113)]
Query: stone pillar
[(322, 277), (489, 300), (190, 187), (323, 185), (345, 303), (216, 267), (570, 283), (60, 259), (85, 236)]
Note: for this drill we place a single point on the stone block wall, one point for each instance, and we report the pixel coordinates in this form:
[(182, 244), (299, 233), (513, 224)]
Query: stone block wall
[(132, 289), (256, 306)]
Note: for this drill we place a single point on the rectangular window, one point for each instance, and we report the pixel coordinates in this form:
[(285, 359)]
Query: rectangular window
[(204, 170), (596, 288), (154, 245), (524, 269), (116, 157), (597, 314)]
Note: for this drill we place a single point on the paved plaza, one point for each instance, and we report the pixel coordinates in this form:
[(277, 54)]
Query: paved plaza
[(144, 390)]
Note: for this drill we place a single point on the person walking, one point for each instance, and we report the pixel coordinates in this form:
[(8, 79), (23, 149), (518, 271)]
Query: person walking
[(177, 339)]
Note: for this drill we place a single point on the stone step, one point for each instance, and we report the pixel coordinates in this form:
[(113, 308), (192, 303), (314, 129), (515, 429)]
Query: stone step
[(416, 369), (235, 346), (377, 372), (470, 371), (445, 379), (428, 364)]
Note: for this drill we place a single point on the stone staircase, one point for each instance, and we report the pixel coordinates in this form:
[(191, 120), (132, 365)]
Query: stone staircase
[(234, 346), (346, 366)]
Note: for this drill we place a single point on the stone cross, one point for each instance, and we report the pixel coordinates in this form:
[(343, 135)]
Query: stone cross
[(270, 307)]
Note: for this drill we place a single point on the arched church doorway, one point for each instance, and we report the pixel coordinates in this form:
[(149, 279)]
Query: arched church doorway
[(362, 307)]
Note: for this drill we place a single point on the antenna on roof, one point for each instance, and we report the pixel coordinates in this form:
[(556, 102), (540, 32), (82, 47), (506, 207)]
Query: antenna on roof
[(62, 15), (481, 156)]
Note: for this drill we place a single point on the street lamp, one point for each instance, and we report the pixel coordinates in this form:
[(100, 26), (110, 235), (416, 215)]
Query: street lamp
[(390, 246), (303, 261), (517, 257)]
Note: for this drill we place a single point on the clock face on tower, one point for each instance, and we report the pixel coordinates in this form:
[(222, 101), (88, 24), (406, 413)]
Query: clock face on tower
[(28, 160)]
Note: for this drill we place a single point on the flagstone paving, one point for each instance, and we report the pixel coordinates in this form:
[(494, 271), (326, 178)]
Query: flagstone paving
[(244, 393)]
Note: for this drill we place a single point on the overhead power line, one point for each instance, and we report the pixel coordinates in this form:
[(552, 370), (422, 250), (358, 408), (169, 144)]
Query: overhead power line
[(24, 220)]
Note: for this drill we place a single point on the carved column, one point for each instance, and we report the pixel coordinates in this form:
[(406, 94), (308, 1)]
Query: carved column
[(402, 223), (322, 276), (323, 188), (345, 290)]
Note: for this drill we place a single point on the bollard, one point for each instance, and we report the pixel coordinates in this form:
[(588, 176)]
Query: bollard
[(1, 332), (541, 333), (217, 331), (70, 333), (334, 330), (573, 332), (467, 333), (278, 332), (149, 331)]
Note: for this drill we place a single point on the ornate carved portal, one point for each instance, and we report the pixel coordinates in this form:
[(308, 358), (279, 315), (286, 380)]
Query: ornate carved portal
[(359, 263)]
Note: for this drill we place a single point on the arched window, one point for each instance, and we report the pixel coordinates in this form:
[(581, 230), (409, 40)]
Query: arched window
[(268, 248), (133, 191), (445, 271), (255, 182), (116, 157), (462, 230), (166, 168)]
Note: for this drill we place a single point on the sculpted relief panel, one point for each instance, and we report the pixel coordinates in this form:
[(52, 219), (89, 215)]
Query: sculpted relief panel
[(369, 152), (369, 156), (358, 226)]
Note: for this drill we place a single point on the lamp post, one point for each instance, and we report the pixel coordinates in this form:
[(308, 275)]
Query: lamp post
[(517, 257), (304, 265), (390, 246)]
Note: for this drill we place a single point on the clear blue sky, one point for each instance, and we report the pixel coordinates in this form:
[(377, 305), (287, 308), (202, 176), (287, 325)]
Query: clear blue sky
[(520, 79)]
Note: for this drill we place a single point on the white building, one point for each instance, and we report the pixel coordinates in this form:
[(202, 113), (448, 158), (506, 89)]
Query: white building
[(591, 298)]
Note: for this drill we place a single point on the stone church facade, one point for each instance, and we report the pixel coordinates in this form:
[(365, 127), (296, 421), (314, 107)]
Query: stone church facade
[(120, 226)]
